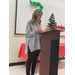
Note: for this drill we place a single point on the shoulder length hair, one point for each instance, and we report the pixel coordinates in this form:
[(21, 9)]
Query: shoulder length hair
[(34, 16)]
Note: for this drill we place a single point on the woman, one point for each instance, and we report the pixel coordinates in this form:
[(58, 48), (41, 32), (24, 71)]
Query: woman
[(33, 40)]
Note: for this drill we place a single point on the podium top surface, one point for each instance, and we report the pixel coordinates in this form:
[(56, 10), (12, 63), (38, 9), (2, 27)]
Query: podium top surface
[(52, 31)]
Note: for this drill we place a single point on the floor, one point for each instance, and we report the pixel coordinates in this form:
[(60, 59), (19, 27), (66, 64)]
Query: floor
[(21, 69)]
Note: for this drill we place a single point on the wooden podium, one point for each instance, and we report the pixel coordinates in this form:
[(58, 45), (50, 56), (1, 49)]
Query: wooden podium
[(49, 52)]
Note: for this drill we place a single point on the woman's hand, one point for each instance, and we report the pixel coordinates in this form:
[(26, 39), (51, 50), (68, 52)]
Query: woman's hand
[(47, 29), (41, 31), (38, 30)]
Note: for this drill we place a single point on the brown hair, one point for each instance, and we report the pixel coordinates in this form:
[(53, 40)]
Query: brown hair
[(34, 16)]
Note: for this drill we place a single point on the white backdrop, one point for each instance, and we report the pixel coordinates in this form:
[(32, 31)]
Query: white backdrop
[(25, 10)]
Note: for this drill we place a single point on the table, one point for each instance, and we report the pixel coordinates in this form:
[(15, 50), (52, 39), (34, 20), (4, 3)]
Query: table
[(23, 45)]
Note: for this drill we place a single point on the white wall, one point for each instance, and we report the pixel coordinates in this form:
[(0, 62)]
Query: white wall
[(25, 10), (16, 40)]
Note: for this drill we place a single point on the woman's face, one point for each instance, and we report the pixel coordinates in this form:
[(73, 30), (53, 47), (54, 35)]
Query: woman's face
[(39, 16)]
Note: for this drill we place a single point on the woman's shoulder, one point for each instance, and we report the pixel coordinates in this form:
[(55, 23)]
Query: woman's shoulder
[(29, 21)]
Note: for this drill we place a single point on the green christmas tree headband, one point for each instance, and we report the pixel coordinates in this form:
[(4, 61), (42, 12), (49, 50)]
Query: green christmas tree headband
[(37, 4)]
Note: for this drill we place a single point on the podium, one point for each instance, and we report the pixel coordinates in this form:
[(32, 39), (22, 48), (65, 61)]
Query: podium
[(49, 52)]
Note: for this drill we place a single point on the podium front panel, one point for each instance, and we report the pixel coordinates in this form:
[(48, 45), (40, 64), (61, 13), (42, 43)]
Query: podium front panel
[(49, 53)]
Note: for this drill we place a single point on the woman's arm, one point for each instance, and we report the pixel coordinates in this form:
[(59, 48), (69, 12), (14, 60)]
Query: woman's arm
[(29, 31)]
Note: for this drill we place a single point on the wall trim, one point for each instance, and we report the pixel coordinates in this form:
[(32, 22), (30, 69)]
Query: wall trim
[(24, 62), (19, 63)]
